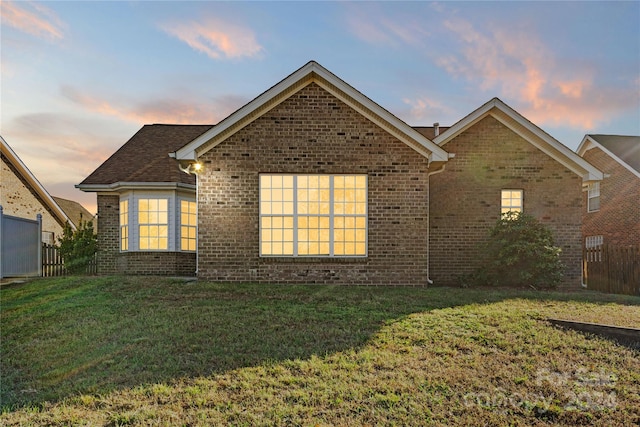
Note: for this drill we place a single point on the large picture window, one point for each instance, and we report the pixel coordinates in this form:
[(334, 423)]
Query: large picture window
[(313, 215), (153, 224)]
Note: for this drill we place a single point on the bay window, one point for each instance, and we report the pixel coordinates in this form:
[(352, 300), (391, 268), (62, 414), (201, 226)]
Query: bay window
[(188, 225), (153, 223), (124, 225)]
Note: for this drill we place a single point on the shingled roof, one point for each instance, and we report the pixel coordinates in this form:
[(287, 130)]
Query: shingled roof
[(145, 157), (75, 211), (626, 148)]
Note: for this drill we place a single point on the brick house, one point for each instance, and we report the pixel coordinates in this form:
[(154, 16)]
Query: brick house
[(312, 182), (611, 213), (142, 196), (22, 195)]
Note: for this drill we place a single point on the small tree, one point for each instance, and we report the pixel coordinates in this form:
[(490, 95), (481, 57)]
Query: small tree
[(78, 247), (521, 252)]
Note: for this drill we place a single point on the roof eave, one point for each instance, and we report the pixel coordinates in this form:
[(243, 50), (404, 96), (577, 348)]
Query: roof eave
[(35, 184), (127, 186), (588, 141)]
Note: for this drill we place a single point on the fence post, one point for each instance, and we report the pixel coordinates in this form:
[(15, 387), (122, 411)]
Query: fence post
[(39, 218), (1, 240)]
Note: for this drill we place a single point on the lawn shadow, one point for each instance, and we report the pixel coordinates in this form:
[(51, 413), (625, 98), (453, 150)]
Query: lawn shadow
[(97, 335)]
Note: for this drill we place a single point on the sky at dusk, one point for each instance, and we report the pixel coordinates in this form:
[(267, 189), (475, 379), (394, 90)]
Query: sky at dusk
[(78, 79)]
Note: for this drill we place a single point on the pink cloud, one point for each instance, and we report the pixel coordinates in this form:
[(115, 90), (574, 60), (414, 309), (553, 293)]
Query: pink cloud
[(32, 18), (172, 110), (518, 66), (61, 151), (216, 38), (425, 108), (78, 143), (572, 89)]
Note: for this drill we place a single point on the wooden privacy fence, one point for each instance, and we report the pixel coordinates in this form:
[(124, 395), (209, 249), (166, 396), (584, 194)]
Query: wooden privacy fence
[(612, 269), (53, 264)]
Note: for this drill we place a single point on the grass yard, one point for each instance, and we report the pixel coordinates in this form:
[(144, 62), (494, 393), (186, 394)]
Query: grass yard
[(152, 351)]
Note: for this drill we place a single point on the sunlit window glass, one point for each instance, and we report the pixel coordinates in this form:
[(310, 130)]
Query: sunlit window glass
[(188, 225), (511, 201), (124, 225), (153, 224), (313, 215)]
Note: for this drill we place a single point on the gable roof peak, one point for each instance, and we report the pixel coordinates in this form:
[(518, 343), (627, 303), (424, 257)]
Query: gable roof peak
[(624, 149), (530, 132), (311, 72), (33, 182)]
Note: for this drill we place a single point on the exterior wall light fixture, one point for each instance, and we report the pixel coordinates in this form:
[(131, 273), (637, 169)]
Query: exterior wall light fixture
[(191, 168)]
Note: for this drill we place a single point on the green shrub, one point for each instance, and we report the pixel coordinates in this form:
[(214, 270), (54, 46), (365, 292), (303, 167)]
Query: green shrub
[(520, 252), (78, 247)]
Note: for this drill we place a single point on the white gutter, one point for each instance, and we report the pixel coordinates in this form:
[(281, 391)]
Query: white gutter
[(451, 155), (119, 186)]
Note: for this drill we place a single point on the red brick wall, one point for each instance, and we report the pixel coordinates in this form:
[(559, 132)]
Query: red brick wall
[(109, 233), (157, 263), (465, 199), (312, 132), (618, 219), (112, 261)]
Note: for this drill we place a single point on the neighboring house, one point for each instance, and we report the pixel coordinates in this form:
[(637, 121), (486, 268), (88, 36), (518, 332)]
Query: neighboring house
[(22, 195), (312, 182), (611, 213), (75, 211)]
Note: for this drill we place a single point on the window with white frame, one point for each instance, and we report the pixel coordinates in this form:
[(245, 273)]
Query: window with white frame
[(313, 215), (124, 225), (593, 197), (512, 201), (153, 224), (188, 225)]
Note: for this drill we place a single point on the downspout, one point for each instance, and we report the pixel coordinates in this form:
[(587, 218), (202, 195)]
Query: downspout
[(197, 221), (429, 281)]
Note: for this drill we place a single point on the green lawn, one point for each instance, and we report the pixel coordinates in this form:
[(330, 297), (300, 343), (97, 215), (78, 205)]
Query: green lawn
[(140, 351)]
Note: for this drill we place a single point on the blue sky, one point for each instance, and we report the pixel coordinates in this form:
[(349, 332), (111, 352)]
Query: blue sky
[(78, 79)]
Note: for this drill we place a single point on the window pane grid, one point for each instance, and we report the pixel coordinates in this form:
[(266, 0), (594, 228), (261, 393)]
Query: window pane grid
[(313, 215), (124, 225), (593, 199), (188, 225), (277, 235), (511, 201), (153, 221)]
